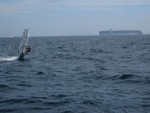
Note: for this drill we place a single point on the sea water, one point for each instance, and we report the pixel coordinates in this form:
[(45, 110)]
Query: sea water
[(78, 74)]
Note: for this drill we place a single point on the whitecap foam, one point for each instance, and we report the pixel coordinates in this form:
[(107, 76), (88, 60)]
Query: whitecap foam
[(8, 58)]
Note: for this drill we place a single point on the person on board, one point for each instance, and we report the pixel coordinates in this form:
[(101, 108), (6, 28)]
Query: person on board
[(27, 49)]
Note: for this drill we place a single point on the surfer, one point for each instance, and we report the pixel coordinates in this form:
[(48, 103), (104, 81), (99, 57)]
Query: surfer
[(24, 49)]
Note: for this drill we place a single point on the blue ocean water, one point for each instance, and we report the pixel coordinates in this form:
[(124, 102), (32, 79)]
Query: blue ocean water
[(78, 74)]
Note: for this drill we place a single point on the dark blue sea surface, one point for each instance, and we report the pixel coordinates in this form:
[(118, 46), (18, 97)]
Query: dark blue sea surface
[(87, 74)]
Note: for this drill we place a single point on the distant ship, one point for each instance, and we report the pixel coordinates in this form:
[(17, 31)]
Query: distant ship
[(121, 32)]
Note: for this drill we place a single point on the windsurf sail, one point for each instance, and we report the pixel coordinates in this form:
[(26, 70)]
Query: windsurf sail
[(24, 41)]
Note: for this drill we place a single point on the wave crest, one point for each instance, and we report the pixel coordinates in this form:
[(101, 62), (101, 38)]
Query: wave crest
[(8, 58)]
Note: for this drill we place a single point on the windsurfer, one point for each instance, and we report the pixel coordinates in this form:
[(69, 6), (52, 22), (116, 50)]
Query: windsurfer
[(26, 51)]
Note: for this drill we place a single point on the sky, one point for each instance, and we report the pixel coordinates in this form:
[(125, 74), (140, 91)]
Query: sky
[(72, 17)]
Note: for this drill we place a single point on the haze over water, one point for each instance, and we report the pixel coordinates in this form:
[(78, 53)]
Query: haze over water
[(72, 17)]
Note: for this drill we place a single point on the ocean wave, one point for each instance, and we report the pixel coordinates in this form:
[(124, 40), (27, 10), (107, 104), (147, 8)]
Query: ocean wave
[(11, 58), (5, 87), (76, 75)]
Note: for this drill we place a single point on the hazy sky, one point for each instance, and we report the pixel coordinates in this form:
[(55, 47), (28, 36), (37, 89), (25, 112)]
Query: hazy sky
[(72, 17)]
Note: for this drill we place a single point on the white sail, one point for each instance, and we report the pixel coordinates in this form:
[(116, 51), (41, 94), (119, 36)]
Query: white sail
[(24, 41)]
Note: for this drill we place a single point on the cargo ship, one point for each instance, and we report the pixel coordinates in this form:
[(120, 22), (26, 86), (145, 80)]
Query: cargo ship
[(121, 32)]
